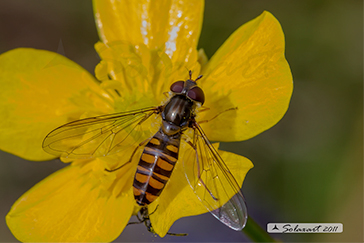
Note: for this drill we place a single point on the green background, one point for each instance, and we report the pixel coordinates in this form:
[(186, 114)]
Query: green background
[(308, 168)]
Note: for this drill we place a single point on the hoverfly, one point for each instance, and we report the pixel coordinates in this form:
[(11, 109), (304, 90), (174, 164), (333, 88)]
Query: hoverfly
[(116, 133)]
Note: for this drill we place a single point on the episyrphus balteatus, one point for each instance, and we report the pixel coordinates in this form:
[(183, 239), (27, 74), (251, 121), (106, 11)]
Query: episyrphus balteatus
[(107, 134)]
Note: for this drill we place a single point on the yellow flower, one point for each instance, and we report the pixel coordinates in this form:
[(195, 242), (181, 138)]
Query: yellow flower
[(145, 47)]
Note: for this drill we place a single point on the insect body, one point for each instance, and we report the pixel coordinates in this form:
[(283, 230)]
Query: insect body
[(155, 167), (211, 179), (161, 153)]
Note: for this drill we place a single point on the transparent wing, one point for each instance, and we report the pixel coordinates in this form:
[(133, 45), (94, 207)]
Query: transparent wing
[(101, 135), (214, 184)]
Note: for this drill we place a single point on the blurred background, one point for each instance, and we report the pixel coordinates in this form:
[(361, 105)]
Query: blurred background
[(308, 168)]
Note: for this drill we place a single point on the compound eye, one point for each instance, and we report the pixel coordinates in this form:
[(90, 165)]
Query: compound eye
[(196, 94), (177, 87)]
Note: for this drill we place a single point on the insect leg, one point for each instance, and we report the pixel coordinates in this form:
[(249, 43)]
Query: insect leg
[(166, 94), (203, 108), (144, 218), (230, 109), (131, 157), (148, 224), (177, 234)]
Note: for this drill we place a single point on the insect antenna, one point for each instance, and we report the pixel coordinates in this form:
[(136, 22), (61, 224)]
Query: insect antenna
[(199, 77), (190, 73)]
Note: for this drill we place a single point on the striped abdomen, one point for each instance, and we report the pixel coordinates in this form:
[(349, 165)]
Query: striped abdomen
[(155, 167)]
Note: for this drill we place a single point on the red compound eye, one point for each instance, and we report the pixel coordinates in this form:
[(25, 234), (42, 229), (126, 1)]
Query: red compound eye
[(177, 87), (196, 94)]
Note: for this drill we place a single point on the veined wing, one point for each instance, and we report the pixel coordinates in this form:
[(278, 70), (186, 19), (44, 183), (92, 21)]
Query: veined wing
[(213, 183), (100, 135)]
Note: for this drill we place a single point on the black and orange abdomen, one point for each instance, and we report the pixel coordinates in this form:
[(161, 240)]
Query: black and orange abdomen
[(155, 167)]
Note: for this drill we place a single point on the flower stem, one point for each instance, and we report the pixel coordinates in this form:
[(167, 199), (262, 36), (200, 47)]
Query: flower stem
[(256, 233)]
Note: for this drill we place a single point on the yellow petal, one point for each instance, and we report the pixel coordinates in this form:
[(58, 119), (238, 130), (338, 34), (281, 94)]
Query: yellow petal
[(178, 199), (249, 72), (170, 25), (71, 205), (40, 91)]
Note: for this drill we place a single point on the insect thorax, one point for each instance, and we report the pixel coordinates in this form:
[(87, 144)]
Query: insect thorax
[(176, 114)]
